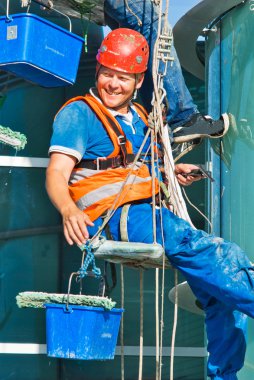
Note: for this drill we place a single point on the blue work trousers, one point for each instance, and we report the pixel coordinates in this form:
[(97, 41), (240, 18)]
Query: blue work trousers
[(180, 103), (219, 273)]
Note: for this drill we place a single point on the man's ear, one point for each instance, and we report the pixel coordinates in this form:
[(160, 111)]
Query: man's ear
[(139, 80)]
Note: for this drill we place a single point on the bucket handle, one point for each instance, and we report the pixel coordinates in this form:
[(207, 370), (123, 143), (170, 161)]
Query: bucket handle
[(7, 11), (69, 289), (46, 4)]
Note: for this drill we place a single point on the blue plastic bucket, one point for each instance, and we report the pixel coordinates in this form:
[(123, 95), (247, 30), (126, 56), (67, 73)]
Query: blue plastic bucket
[(38, 50), (81, 332)]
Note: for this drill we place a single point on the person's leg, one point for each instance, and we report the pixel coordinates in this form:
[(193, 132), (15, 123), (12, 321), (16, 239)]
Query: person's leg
[(210, 263), (182, 114), (226, 335)]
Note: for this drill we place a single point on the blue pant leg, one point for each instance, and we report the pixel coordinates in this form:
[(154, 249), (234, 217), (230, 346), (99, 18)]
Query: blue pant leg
[(226, 335), (181, 105), (218, 266)]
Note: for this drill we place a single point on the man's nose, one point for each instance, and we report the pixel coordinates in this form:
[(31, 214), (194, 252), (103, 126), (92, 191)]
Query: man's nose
[(114, 82)]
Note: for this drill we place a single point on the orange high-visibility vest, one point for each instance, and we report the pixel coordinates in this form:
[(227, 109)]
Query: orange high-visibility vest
[(96, 191)]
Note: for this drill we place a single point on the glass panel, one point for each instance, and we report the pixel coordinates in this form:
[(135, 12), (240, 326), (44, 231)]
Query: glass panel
[(237, 153)]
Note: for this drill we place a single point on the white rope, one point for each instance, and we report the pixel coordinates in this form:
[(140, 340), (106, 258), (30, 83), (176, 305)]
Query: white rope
[(198, 210), (141, 342), (162, 301), (156, 116), (173, 186), (24, 3), (157, 325), (172, 354), (153, 183), (122, 321)]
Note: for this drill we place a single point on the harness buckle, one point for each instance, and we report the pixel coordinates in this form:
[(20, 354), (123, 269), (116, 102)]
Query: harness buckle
[(121, 140), (98, 159)]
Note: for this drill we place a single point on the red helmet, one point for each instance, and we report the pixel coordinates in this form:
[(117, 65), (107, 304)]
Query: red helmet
[(124, 50)]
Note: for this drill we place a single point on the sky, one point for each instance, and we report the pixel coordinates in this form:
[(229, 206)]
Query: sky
[(177, 8)]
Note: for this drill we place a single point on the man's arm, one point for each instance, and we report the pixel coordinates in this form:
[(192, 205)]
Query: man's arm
[(57, 178)]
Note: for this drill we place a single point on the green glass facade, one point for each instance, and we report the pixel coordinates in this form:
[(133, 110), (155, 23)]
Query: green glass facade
[(231, 78)]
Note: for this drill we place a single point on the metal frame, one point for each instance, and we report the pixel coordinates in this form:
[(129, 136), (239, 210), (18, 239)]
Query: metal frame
[(24, 162), (37, 349)]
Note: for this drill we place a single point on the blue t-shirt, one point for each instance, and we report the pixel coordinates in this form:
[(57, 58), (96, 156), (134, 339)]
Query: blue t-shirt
[(78, 132)]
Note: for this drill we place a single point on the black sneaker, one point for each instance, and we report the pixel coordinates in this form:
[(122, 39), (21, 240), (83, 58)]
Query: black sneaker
[(179, 150), (200, 126)]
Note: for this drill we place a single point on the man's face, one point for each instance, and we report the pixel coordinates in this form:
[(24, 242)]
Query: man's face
[(116, 88)]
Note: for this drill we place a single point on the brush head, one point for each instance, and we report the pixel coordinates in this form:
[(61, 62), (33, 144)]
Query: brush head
[(38, 299), (14, 139)]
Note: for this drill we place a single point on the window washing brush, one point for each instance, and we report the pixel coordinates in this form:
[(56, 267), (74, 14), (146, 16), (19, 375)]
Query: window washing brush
[(38, 299), (14, 139)]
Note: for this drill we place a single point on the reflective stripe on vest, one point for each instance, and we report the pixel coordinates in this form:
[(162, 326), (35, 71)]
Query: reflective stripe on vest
[(95, 194), (96, 191)]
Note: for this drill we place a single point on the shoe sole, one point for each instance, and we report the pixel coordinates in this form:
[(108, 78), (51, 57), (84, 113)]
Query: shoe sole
[(182, 139)]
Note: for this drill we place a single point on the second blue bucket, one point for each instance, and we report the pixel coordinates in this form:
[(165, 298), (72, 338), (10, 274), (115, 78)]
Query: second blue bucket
[(39, 51), (81, 332)]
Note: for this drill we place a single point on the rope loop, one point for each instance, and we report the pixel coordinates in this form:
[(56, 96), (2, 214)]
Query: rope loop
[(89, 260), (151, 121)]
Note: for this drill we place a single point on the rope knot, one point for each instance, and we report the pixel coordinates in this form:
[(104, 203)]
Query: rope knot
[(151, 121), (89, 260)]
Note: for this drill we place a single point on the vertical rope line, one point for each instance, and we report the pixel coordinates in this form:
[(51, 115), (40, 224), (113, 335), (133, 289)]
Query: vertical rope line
[(166, 10), (162, 314), (122, 321), (153, 183), (160, 324), (140, 371), (172, 354), (157, 325), (162, 293), (156, 96), (157, 116)]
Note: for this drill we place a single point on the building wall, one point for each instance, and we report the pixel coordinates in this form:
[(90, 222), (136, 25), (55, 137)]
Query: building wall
[(231, 90)]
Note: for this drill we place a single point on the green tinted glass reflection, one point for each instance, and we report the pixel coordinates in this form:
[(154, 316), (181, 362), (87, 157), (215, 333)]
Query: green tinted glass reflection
[(237, 88)]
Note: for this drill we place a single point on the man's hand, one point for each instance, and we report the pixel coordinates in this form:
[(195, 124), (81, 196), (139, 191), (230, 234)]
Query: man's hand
[(186, 168), (75, 224)]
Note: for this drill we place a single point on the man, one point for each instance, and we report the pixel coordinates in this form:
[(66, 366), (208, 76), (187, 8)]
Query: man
[(94, 143), (183, 117)]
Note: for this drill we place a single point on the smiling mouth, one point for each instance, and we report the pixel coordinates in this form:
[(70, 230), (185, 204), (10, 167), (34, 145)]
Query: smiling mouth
[(113, 93)]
